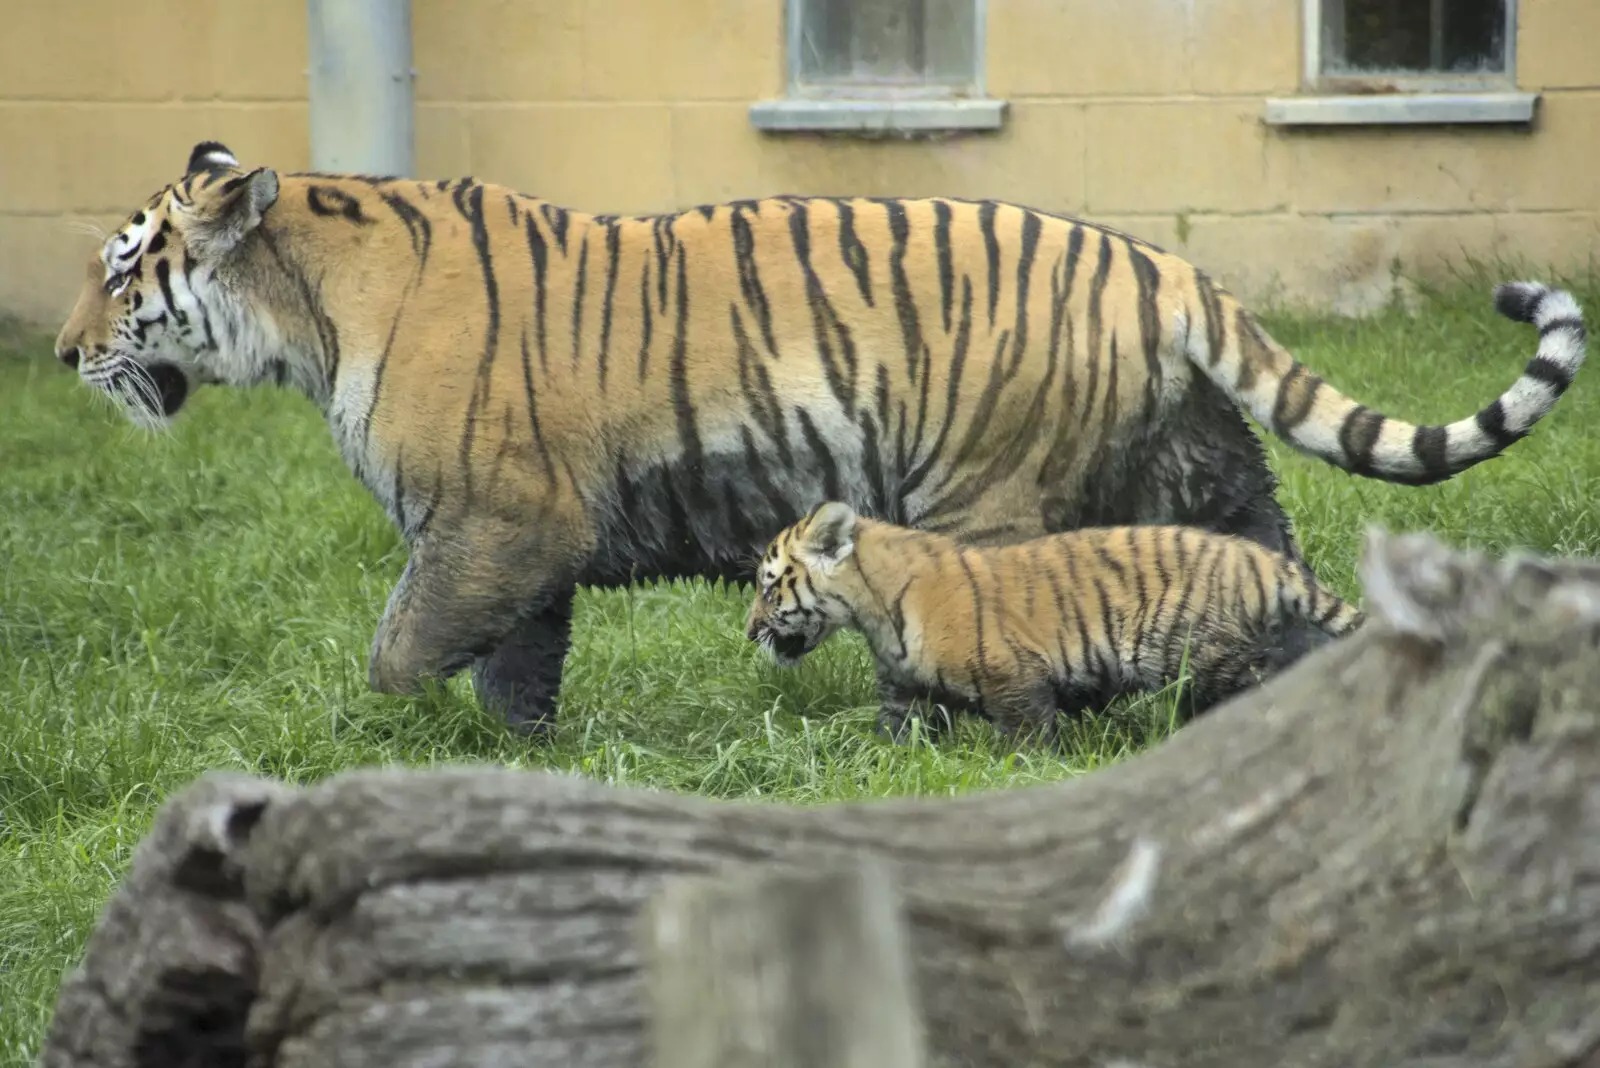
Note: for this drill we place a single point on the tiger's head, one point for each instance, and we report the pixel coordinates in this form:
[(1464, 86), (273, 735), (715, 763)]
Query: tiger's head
[(802, 595), (155, 316)]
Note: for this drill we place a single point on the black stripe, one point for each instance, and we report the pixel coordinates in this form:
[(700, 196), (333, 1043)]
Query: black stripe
[(906, 452), (539, 253), (1544, 369), (1260, 587), (1167, 574), (1252, 352), (853, 252), (1358, 436), (905, 304), (471, 207), (958, 361), (825, 460), (1492, 421), (557, 219), (1110, 562), (1190, 574), (1211, 306), (418, 228), (645, 322), (578, 290), (397, 488), (164, 280), (947, 276), (1289, 410), (613, 262), (1147, 279), (530, 397), (1335, 606), (1025, 261), (842, 383), (991, 245), (326, 201), (1067, 437), (744, 247), (980, 642), (1564, 323), (1431, 445), (782, 510), (756, 385), (978, 426), (1097, 290), (693, 463), (872, 464), (327, 331), (662, 235)]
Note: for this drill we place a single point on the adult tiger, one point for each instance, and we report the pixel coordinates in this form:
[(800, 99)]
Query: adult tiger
[(541, 398)]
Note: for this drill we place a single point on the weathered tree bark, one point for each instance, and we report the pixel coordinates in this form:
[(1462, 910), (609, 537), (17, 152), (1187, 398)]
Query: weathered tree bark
[(1389, 855), (780, 971)]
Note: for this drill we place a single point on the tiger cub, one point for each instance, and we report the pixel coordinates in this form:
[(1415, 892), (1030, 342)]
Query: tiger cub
[(1065, 622)]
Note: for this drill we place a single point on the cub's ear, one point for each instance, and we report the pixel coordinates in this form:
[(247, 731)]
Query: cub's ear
[(223, 220), (830, 536), (210, 155)]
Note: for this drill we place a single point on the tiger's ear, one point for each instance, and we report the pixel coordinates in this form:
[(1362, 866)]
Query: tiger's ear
[(830, 536), (210, 155), (222, 222)]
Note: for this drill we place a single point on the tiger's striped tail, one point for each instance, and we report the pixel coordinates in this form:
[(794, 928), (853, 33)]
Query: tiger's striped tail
[(1314, 417)]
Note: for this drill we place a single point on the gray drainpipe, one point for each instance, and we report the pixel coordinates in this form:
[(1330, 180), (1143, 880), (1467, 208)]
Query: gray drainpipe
[(361, 86)]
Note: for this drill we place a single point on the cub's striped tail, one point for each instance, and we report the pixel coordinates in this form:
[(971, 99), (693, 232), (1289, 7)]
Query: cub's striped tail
[(1315, 418), (1304, 597)]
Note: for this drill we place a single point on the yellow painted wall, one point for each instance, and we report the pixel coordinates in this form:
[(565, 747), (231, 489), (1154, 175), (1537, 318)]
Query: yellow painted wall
[(1142, 113)]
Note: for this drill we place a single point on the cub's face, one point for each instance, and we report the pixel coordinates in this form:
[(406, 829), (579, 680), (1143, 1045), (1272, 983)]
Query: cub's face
[(800, 600), (150, 322)]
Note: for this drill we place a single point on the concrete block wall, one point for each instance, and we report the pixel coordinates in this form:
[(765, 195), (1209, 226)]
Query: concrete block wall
[(1145, 114)]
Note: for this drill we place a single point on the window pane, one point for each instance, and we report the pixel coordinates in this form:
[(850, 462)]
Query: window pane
[(1413, 36), (886, 42)]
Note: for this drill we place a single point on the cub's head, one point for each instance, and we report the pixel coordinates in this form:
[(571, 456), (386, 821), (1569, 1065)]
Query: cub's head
[(801, 594), (153, 319)]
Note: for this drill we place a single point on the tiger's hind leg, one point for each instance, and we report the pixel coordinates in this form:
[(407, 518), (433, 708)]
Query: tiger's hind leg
[(521, 678), (1025, 710), (1275, 650), (1201, 465)]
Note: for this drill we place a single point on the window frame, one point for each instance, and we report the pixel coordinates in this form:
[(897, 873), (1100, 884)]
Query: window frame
[(1399, 97), (879, 108)]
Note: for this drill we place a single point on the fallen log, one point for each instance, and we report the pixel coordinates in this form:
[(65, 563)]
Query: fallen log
[(1389, 855)]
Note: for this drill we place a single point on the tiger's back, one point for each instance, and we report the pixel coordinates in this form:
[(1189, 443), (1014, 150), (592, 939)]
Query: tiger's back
[(1067, 621)]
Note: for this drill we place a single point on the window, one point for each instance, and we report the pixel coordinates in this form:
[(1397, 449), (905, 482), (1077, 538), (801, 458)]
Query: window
[(1407, 61), (882, 65), (1424, 42), (856, 47)]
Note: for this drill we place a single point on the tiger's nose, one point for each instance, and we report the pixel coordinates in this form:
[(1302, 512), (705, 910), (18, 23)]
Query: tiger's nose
[(70, 355)]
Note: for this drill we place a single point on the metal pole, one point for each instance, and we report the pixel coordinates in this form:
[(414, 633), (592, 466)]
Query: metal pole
[(362, 116)]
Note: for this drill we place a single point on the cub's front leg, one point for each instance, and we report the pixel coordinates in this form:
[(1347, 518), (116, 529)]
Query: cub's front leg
[(898, 700)]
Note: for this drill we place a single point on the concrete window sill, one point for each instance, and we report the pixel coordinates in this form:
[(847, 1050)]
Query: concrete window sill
[(876, 116), (1401, 109)]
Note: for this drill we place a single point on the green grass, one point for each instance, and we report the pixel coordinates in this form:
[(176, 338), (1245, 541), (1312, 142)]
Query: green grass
[(205, 599)]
